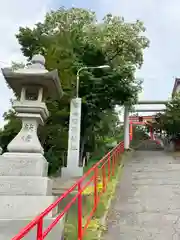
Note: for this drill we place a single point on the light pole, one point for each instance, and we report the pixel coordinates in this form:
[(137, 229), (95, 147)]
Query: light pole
[(84, 68), (73, 169)]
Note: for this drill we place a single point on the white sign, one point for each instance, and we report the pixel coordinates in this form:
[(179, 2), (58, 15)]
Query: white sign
[(74, 133)]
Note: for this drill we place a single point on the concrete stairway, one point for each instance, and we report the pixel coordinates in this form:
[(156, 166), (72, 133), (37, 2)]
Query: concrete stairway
[(149, 145), (147, 202)]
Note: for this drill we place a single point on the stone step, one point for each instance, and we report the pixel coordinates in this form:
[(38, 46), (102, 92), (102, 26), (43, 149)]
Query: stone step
[(149, 148), (149, 205), (20, 207), (139, 167), (149, 145), (156, 161), (153, 174), (129, 232), (10, 228), (152, 181), (33, 186), (60, 185), (148, 220)]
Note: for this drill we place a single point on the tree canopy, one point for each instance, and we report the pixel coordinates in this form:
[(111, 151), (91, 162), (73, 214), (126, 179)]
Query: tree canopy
[(74, 38), (169, 121)]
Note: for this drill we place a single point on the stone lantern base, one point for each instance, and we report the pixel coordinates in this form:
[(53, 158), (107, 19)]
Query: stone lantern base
[(25, 192)]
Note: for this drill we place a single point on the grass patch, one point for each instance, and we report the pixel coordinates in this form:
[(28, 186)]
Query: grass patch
[(95, 226)]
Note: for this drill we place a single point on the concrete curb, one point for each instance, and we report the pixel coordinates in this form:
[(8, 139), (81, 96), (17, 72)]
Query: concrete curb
[(126, 156)]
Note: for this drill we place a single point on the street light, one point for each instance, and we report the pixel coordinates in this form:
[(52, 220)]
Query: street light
[(84, 68), (74, 136)]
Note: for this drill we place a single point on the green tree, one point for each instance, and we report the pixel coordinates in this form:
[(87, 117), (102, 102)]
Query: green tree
[(70, 39), (106, 132), (169, 121)]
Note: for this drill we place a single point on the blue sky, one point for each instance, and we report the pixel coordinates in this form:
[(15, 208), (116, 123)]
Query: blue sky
[(161, 18)]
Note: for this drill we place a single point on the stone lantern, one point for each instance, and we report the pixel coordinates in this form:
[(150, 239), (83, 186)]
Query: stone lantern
[(32, 85), (25, 189)]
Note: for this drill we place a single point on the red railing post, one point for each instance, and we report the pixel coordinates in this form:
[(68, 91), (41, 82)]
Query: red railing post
[(122, 146), (113, 163), (40, 230), (130, 131), (95, 188), (117, 155), (80, 230), (109, 165), (115, 158), (104, 178)]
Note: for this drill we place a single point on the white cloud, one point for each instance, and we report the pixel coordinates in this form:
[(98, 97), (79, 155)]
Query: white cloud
[(13, 14)]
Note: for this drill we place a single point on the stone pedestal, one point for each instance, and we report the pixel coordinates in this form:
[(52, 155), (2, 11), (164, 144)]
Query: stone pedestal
[(25, 192)]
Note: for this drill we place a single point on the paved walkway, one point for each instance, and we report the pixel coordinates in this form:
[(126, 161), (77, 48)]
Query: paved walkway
[(147, 203)]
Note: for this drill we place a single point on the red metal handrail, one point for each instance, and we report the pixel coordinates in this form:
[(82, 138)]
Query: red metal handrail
[(108, 162)]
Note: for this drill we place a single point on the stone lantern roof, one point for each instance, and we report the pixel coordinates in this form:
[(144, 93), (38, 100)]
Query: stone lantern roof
[(32, 75)]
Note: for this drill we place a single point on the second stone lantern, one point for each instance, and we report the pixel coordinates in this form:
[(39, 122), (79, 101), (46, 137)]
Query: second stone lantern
[(25, 189)]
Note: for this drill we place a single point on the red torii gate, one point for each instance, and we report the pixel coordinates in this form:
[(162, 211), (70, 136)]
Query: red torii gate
[(134, 120)]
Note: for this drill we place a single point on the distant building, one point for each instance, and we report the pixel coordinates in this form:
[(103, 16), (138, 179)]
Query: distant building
[(176, 87)]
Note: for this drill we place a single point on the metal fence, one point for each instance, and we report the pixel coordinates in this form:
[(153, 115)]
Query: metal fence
[(104, 170)]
